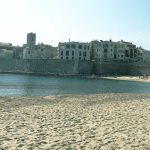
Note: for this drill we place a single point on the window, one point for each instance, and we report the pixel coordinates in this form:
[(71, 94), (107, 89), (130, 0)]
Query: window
[(66, 57), (126, 53), (121, 56), (67, 46), (80, 53), (84, 54), (41, 50), (73, 46), (61, 57), (84, 46), (72, 53), (72, 58), (79, 58), (67, 53), (28, 52), (80, 46), (105, 50), (61, 52), (131, 53)]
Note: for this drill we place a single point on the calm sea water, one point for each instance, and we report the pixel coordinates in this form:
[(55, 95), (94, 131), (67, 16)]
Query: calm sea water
[(34, 85)]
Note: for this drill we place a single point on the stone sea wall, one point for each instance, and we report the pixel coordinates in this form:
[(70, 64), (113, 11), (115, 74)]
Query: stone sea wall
[(70, 67), (139, 68), (7, 65), (46, 66), (110, 68)]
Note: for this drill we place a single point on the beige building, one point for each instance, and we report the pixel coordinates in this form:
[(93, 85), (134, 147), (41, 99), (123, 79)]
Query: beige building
[(113, 51), (6, 50), (4, 53), (74, 51), (40, 51), (7, 46), (145, 56)]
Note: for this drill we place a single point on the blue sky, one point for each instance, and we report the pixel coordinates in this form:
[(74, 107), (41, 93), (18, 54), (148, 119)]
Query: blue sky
[(80, 20)]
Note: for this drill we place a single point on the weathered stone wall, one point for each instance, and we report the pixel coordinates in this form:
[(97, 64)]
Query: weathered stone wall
[(85, 67), (139, 68), (7, 65), (70, 67), (110, 68), (46, 66)]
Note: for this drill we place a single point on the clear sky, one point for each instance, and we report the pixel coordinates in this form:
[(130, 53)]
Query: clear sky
[(80, 20)]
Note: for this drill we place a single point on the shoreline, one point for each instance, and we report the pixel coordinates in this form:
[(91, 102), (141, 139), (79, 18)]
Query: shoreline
[(107, 77), (128, 78)]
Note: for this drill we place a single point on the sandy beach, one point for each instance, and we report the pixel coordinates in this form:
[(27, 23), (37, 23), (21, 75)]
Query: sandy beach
[(105, 122), (128, 78)]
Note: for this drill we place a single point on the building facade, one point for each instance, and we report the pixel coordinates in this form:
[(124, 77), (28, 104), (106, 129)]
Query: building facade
[(40, 51), (145, 56), (113, 51), (74, 51), (6, 50), (7, 46)]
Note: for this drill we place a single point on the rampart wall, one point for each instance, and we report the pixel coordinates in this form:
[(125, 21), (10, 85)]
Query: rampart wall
[(70, 67)]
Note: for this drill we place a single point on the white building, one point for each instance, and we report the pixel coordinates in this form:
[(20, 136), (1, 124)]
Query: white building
[(146, 56), (74, 51), (113, 51)]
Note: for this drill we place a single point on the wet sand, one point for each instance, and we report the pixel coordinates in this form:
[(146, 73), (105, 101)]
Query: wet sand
[(105, 122)]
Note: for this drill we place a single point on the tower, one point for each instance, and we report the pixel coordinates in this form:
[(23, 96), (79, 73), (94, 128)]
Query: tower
[(31, 39)]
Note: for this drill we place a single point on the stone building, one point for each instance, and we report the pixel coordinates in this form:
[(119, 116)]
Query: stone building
[(7, 46), (113, 51), (40, 51), (130, 51), (4, 53), (18, 52), (6, 50), (145, 56), (74, 51)]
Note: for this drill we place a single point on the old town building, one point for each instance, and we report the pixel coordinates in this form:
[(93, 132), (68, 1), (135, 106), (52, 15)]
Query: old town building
[(74, 51)]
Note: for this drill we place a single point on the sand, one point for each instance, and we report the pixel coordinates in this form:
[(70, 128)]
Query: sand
[(105, 122), (128, 78)]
